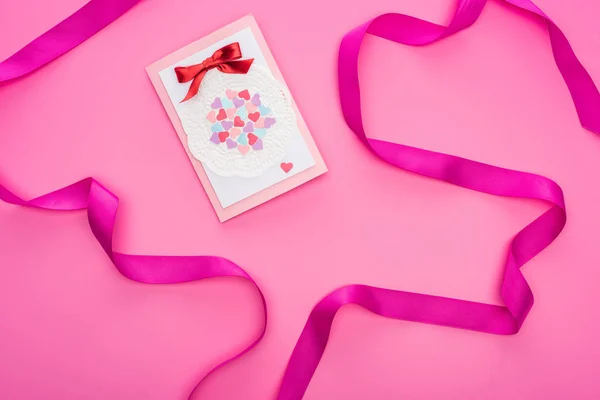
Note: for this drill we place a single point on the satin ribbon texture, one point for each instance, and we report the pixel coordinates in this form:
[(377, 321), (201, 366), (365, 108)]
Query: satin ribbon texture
[(101, 203), (223, 60)]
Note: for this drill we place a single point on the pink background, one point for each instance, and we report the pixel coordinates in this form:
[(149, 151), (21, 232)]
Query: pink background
[(73, 328)]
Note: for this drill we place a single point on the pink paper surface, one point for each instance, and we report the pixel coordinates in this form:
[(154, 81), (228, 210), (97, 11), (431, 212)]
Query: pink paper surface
[(270, 192), (498, 98)]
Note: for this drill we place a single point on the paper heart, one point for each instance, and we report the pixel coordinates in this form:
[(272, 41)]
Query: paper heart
[(231, 112), (238, 102), (243, 149), (216, 104), (249, 127), (212, 116), (258, 145), (256, 99), (216, 127), (231, 144), (251, 107), (221, 115), (223, 136), (264, 110), (242, 112), (286, 166), (260, 132), (254, 116), (238, 122), (227, 125), (242, 139), (269, 122), (252, 138), (226, 103), (230, 94), (215, 138), (234, 132), (244, 94), (260, 123)]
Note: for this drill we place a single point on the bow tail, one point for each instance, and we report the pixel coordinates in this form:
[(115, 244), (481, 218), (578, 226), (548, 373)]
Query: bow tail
[(195, 86)]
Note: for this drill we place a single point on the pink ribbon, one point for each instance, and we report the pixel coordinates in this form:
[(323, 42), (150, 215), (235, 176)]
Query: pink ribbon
[(518, 298)]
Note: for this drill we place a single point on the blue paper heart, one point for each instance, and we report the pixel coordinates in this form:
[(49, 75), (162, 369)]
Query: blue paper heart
[(226, 102), (264, 110), (242, 112), (242, 139), (260, 132), (216, 127)]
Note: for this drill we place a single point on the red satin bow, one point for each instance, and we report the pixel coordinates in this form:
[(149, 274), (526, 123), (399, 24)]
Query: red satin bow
[(222, 59)]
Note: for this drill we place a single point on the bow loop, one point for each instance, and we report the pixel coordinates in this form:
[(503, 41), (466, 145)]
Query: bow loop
[(226, 60)]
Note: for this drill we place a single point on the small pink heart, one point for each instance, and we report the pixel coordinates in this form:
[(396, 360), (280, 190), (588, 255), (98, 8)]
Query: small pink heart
[(230, 93), (245, 94), (223, 136), (251, 107), (243, 149), (212, 116), (259, 124), (286, 166), (254, 116), (231, 112), (235, 132)]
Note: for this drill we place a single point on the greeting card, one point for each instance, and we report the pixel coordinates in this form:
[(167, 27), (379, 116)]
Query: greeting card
[(236, 118)]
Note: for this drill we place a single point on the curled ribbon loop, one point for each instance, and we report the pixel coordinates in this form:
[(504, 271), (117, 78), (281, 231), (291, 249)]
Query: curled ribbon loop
[(224, 60), (428, 309), (101, 204)]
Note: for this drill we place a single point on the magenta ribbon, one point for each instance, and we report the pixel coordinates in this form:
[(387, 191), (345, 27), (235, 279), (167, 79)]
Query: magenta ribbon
[(518, 299)]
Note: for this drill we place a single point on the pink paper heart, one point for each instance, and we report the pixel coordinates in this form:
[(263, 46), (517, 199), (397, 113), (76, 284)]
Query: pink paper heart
[(230, 93), (259, 124), (235, 132), (251, 107), (286, 167), (243, 149), (231, 112), (212, 116)]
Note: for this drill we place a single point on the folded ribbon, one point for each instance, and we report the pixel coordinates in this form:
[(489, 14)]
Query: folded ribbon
[(518, 298), (223, 60)]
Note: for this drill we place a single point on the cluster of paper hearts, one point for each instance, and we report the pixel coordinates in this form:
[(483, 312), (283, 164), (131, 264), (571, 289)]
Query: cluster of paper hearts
[(240, 121)]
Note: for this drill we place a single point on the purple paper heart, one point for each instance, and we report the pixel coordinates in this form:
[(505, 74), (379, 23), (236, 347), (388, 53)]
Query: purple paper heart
[(215, 138), (237, 102), (227, 125), (269, 122), (249, 127), (217, 103), (231, 144), (256, 99), (258, 145)]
